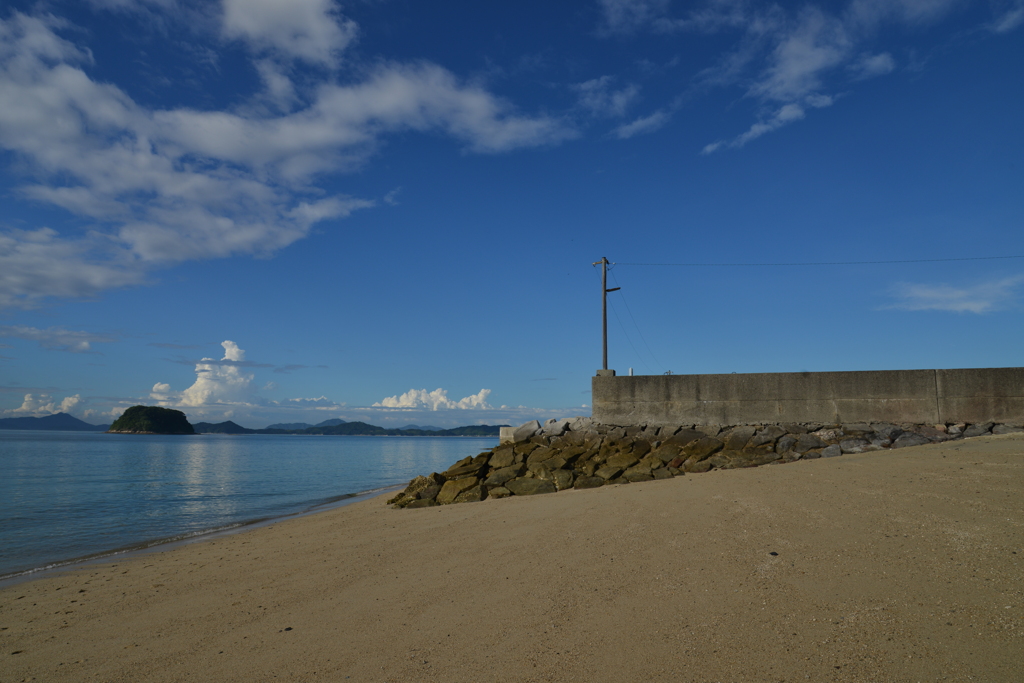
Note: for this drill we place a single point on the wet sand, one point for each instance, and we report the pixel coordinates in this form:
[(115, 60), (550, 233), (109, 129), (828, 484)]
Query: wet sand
[(895, 566)]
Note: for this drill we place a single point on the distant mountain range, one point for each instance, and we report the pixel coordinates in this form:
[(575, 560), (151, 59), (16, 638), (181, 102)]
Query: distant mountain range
[(349, 429), (333, 427), (57, 422), (305, 425), (228, 427)]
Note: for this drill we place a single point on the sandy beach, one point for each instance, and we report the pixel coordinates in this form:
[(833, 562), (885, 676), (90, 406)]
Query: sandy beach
[(890, 566)]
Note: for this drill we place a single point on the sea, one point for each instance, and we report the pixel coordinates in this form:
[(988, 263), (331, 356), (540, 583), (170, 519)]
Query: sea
[(69, 497)]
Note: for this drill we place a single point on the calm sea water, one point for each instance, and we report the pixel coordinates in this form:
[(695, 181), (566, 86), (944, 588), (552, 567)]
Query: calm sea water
[(70, 495)]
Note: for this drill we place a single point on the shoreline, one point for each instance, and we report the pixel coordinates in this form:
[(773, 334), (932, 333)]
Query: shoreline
[(171, 542), (905, 565)]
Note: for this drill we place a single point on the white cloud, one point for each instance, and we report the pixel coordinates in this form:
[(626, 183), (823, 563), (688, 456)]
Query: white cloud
[(816, 44), (94, 415), (226, 389), (981, 298), (870, 66), (319, 403), (436, 400), (44, 404), (624, 16), (56, 338), (642, 125), (784, 115), (312, 30), (786, 56), (216, 383), (599, 98), (162, 186), (1010, 19)]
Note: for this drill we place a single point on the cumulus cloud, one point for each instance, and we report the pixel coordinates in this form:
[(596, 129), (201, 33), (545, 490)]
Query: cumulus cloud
[(436, 400), (981, 298), (44, 404), (216, 383), (55, 338), (227, 389), (160, 186)]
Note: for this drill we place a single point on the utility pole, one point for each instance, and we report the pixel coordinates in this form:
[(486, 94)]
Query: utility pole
[(604, 309)]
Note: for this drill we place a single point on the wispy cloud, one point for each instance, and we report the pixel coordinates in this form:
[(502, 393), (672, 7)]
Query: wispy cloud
[(56, 338), (783, 58), (599, 97), (786, 114), (869, 66), (1012, 18), (167, 345), (642, 125), (981, 298)]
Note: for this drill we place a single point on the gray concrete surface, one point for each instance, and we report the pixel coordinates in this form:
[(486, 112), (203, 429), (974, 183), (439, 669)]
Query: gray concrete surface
[(899, 396)]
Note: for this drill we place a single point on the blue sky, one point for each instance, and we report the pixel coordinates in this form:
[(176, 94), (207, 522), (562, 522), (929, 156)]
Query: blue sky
[(270, 210)]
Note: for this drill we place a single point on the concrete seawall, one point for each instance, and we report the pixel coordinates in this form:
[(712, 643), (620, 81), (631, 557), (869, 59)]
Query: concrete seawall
[(899, 396)]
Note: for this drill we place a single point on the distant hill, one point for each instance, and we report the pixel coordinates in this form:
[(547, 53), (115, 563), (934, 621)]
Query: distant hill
[(151, 420), (286, 426), (57, 422), (228, 427), (292, 426), (425, 428)]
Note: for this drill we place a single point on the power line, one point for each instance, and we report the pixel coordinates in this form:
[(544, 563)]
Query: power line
[(824, 263), (642, 338), (624, 334)]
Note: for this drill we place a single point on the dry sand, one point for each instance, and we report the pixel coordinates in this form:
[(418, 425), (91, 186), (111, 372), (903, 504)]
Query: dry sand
[(893, 566)]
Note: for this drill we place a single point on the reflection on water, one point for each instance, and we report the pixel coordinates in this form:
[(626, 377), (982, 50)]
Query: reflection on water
[(67, 494)]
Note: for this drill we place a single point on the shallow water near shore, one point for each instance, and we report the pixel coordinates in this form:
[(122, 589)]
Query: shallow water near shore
[(67, 496)]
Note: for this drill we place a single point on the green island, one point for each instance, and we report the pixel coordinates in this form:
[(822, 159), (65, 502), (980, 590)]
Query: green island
[(151, 420)]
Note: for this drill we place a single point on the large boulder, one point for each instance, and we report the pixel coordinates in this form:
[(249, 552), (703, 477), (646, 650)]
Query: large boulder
[(452, 488), (529, 487), (910, 439), (683, 437), (1006, 429), (555, 427), (503, 456), (978, 429), (622, 460), (525, 431), (738, 437), (499, 477), (768, 435), (588, 482), (806, 442), (702, 448)]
